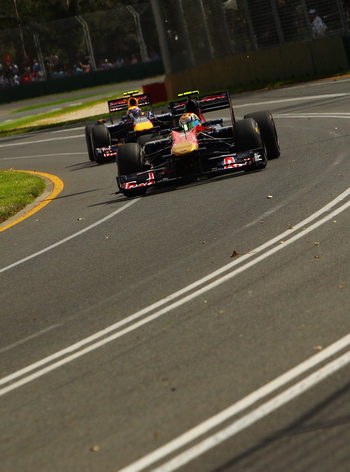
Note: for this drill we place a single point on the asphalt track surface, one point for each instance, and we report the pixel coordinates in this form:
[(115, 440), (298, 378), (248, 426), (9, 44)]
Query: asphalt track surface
[(199, 328)]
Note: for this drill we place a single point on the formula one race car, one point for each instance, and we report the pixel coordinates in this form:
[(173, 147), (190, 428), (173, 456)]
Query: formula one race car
[(197, 147), (131, 128)]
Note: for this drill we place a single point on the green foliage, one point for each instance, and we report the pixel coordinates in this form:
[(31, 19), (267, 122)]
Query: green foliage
[(41, 11), (56, 31)]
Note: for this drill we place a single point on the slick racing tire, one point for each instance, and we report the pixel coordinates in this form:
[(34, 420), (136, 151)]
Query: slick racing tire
[(88, 139), (100, 137), (130, 160), (268, 131), (145, 138), (247, 136)]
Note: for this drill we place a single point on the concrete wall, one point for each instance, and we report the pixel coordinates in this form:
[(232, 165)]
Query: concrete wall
[(306, 60)]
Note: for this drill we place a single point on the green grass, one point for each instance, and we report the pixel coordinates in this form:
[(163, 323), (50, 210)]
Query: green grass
[(17, 190), (66, 100), (27, 122)]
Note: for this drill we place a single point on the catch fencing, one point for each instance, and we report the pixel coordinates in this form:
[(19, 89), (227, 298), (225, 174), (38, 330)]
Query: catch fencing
[(78, 45), (181, 33), (194, 31)]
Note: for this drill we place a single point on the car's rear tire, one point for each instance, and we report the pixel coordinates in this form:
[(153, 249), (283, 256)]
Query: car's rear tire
[(268, 131), (88, 140), (247, 137), (130, 160), (100, 137)]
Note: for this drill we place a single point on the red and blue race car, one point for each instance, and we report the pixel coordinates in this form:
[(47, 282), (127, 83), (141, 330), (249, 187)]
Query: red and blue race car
[(197, 147), (132, 127)]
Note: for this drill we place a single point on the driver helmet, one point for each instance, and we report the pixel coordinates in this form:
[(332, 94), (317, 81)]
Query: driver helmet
[(134, 112), (189, 121)]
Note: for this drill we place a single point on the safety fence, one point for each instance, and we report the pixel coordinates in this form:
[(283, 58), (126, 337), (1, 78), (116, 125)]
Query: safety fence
[(194, 31), (75, 46), (180, 33)]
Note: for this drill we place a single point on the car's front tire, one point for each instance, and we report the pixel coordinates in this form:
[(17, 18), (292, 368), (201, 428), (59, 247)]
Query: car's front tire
[(100, 137), (130, 160), (268, 131), (247, 137), (88, 140)]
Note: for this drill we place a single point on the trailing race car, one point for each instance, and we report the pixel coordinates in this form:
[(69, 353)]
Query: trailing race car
[(131, 128), (197, 147)]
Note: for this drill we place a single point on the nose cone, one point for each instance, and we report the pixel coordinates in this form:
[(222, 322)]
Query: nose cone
[(143, 125), (184, 143)]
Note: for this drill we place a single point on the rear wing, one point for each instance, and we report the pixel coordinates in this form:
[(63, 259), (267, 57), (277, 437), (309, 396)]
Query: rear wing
[(120, 104), (206, 103)]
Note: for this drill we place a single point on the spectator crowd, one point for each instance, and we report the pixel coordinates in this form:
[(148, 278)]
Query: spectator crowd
[(30, 70)]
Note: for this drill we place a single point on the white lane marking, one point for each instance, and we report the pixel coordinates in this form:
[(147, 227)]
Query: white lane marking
[(296, 99), (70, 351), (42, 155), (27, 143), (68, 238), (312, 115), (246, 421), (28, 338)]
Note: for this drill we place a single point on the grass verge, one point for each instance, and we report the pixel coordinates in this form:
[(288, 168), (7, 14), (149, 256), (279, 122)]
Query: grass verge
[(30, 123), (17, 190)]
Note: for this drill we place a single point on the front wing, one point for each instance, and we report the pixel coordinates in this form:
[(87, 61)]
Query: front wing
[(163, 174), (106, 153)]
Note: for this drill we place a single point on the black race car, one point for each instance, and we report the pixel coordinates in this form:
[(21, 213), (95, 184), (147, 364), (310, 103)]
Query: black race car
[(197, 147), (131, 128)]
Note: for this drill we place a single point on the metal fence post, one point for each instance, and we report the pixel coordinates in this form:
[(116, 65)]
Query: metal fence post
[(88, 40), (162, 36), (206, 30), (279, 30), (249, 24), (40, 55), (143, 49), (184, 31)]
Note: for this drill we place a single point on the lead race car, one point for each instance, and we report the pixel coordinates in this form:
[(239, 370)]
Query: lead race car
[(133, 126), (198, 147)]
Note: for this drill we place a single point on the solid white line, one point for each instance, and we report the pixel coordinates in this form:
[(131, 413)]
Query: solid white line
[(251, 418), (27, 143), (312, 115), (33, 336), (69, 351), (298, 99), (42, 155), (238, 407), (72, 236)]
